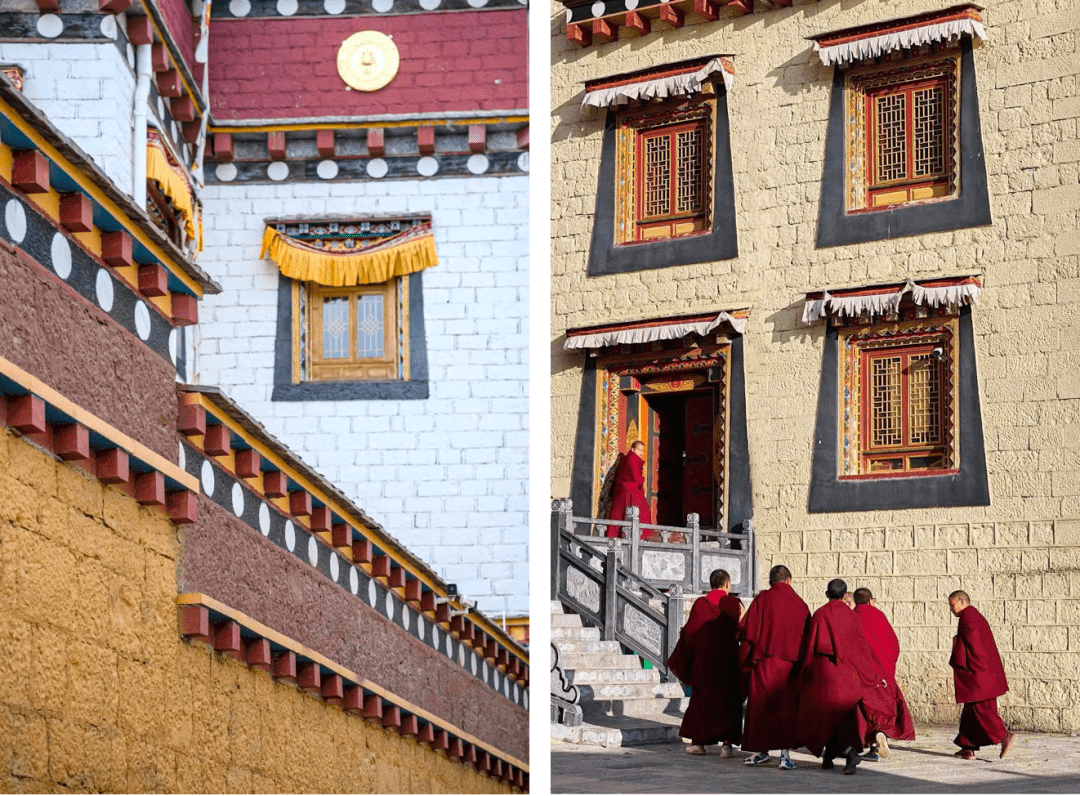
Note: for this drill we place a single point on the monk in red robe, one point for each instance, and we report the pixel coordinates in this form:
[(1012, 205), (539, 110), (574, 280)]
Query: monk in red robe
[(629, 489), (979, 678), (886, 648), (707, 659), (842, 702), (772, 636)]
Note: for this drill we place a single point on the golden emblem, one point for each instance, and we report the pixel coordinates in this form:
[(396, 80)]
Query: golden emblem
[(368, 60)]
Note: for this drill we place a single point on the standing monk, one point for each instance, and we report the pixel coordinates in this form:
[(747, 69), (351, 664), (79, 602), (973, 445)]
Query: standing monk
[(886, 648), (707, 659), (842, 701), (629, 489), (772, 636), (979, 678)]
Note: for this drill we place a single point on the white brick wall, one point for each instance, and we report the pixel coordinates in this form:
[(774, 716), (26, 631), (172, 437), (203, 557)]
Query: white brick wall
[(447, 475), (87, 91)]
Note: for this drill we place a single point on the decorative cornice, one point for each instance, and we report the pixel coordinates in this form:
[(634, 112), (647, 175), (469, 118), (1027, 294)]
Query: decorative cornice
[(219, 431), (226, 630), (83, 440), (598, 21)]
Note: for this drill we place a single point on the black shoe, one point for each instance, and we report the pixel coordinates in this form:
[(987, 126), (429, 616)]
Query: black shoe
[(852, 761), (872, 755), (827, 763)]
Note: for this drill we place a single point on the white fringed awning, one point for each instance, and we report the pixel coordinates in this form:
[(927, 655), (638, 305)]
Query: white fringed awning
[(671, 85), (650, 331), (869, 41), (885, 299)]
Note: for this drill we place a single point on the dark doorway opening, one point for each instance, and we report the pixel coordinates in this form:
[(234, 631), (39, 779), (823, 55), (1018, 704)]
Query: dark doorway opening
[(680, 471)]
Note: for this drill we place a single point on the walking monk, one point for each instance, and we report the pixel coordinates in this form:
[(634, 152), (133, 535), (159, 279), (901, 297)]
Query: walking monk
[(707, 659), (772, 636), (886, 648), (842, 702), (629, 489), (979, 678)]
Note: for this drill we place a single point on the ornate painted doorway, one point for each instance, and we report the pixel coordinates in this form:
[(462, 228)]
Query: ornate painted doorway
[(672, 397)]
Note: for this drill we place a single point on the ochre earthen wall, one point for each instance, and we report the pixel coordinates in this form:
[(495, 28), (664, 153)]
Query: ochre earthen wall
[(98, 692), (1017, 557)]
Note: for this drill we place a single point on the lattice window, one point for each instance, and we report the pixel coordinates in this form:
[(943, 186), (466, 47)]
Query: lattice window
[(664, 163), (902, 133), (355, 332), (902, 409)]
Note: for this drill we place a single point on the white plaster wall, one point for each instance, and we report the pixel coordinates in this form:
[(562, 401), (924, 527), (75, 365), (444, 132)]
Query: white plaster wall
[(87, 91), (447, 475)]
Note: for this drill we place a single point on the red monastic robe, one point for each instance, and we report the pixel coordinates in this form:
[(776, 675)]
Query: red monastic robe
[(707, 659), (843, 695), (772, 636), (979, 679), (628, 490), (886, 648)]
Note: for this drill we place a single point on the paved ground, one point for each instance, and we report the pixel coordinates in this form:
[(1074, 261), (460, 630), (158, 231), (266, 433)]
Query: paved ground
[(1038, 763)]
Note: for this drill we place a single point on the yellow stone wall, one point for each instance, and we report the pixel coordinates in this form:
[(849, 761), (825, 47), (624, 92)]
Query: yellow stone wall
[(99, 693), (1018, 564)]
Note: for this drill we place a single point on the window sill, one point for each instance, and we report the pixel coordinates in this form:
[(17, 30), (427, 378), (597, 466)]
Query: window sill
[(894, 476), (352, 391)]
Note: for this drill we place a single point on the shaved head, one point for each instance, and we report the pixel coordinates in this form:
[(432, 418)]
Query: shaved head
[(719, 579), (958, 601), (836, 589), (863, 596), (779, 574)]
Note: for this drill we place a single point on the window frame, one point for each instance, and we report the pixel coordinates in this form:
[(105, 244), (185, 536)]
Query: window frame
[(636, 125), (353, 367), (915, 331), (865, 86)]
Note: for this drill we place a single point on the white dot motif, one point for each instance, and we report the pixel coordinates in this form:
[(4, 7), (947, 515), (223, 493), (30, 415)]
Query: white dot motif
[(334, 567), (290, 535), (181, 456), (427, 166), (264, 519), (15, 220), (334, 6), (405, 619), (207, 478), (372, 593), (354, 580), (50, 26), (103, 287), (61, 263), (523, 161), (477, 164), (327, 170), (172, 346), (597, 9), (313, 551), (382, 6), (377, 168), (287, 7), (239, 8), (142, 321), (277, 171), (226, 172), (237, 499)]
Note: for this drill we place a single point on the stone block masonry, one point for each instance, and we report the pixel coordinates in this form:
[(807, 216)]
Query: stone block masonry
[(98, 692), (1017, 556), (87, 91), (447, 475), (1024, 577)]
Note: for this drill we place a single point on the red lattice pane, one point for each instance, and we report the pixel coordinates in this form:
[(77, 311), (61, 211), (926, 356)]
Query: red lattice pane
[(891, 143), (885, 405), (689, 158), (924, 399), (928, 129), (657, 192)]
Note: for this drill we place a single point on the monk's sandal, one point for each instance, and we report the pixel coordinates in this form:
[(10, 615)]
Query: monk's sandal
[(882, 744), (756, 760)]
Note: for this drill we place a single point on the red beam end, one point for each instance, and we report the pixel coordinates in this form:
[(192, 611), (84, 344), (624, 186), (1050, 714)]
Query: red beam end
[(324, 142), (116, 249), (340, 535), (361, 552), (185, 309), (258, 655), (284, 666), (604, 30), (26, 413), (227, 639), (150, 489), (300, 503), (376, 142), (477, 138), (248, 463), (275, 484), (191, 421), (223, 146), (112, 466), (153, 280), (76, 212), (333, 690), (183, 506), (275, 144), (217, 441), (195, 621), (30, 171), (579, 34), (320, 520)]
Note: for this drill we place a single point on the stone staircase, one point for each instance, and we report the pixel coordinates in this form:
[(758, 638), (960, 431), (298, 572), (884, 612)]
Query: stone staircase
[(622, 704)]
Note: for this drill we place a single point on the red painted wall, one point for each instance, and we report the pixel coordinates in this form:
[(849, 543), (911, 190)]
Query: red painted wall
[(287, 68), (177, 14)]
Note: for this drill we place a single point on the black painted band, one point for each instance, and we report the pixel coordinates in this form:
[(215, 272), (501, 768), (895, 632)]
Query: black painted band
[(500, 164)]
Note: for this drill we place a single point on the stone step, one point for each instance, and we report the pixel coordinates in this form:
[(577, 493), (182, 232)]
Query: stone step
[(617, 731), (579, 633), (580, 647), (565, 620), (654, 709), (621, 675), (633, 689), (598, 660)]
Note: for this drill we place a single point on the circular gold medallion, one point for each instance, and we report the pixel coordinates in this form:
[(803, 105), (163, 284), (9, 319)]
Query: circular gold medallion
[(368, 60)]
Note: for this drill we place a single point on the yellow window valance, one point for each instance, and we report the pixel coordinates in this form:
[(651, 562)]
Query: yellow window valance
[(405, 253), (174, 183)]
